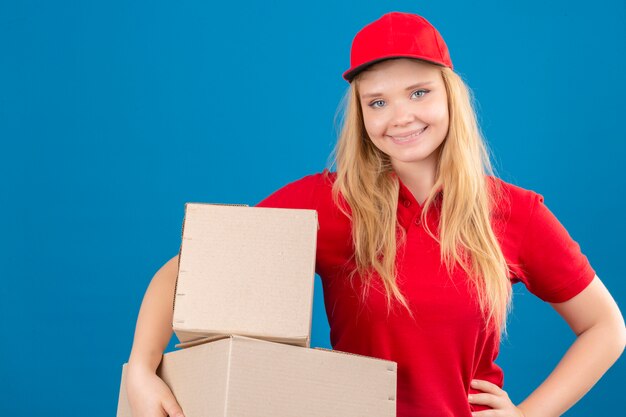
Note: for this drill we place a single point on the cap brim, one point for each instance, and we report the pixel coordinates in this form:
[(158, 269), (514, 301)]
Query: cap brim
[(352, 72)]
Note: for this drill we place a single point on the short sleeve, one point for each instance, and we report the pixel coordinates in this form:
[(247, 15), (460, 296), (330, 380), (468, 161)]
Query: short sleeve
[(311, 193), (300, 194), (552, 264)]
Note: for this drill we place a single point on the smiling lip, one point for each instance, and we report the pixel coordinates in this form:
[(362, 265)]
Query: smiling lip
[(409, 136)]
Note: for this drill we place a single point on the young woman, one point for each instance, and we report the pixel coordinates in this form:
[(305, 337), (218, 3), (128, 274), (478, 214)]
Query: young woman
[(419, 244)]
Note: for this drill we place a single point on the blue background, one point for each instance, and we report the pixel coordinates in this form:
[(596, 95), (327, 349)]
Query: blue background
[(114, 114)]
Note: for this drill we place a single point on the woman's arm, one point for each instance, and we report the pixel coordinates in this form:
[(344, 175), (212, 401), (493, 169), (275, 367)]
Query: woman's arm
[(598, 324), (154, 322), (148, 395)]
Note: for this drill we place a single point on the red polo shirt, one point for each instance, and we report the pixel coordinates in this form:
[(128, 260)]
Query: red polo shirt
[(446, 347)]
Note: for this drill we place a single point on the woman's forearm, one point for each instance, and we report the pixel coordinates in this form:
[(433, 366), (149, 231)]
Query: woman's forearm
[(588, 358), (154, 322)]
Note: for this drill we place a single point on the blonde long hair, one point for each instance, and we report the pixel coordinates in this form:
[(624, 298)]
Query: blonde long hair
[(465, 232)]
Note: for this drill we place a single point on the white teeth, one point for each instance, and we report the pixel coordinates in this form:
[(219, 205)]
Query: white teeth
[(412, 136)]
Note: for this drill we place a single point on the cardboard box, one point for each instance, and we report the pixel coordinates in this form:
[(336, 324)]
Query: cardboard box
[(248, 271), (244, 377)]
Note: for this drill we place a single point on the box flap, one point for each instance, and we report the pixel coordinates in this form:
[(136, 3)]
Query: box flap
[(391, 365), (303, 341)]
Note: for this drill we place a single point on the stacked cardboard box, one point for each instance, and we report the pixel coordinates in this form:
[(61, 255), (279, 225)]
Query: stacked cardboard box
[(242, 311)]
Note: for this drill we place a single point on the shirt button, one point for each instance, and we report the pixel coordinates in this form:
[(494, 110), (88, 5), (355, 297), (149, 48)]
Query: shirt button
[(406, 203), (418, 221)]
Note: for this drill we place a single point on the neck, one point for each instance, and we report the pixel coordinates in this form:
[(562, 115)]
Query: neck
[(419, 178)]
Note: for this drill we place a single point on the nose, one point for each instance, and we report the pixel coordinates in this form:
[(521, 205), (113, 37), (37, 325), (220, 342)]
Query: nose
[(403, 115)]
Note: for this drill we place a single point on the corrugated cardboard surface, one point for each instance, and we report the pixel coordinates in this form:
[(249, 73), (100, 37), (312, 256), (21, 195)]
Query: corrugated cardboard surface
[(245, 377), (247, 271), (197, 378)]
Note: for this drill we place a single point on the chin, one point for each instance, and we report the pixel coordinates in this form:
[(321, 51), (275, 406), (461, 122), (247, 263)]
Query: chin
[(408, 159)]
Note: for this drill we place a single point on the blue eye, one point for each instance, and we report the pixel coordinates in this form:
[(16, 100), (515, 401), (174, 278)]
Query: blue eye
[(373, 104), (420, 91)]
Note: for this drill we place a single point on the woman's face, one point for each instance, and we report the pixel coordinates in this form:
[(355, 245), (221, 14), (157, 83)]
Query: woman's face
[(405, 110)]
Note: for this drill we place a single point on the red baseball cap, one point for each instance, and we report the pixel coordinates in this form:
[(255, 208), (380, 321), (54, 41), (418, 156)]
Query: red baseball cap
[(396, 35)]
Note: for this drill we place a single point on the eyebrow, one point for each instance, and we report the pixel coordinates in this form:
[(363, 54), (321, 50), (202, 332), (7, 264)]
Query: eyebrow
[(411, 87)]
